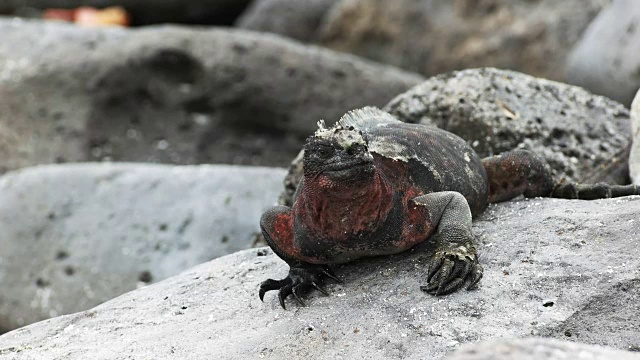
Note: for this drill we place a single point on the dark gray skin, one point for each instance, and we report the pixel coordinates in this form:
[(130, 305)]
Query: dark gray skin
[(372, 185)]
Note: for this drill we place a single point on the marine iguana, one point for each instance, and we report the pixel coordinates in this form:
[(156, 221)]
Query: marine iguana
[(373, 185)]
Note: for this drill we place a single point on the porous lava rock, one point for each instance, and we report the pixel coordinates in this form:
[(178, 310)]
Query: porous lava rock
[(584, 137)]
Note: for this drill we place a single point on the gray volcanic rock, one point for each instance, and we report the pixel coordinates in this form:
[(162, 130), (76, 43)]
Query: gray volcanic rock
[(606, 60), (147, 11), (73, 236), (436, 36), (171, 95), (616, 312), (536, 349), (544, 260), (634, 156), (292, 18), (584, 137)]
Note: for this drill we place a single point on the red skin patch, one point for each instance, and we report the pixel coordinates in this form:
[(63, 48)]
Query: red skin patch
[(337, 214), (339, 211), (282, 233), (416, 227)]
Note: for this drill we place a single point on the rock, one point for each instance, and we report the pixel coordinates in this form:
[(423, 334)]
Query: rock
[(584, 137), (147, 11), (75, 235), (436, 36), (634, 157), (172, 95), (606, 60), (534, 349), (292, 18), (615, 311), (544, 260)]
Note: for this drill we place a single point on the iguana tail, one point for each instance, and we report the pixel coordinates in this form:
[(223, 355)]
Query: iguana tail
[(515, 173), (593, 191), (521, 172)]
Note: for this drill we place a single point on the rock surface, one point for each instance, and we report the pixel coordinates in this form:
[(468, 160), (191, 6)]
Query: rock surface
[(634, 156), (73, 236), (172, 95), (617, 311), (584, 137), (292, 18), (536, 349), (544, 259), (436, 36), (147, 11), (606, 60)]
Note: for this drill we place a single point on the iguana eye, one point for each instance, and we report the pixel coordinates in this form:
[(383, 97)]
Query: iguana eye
[(325, 152)]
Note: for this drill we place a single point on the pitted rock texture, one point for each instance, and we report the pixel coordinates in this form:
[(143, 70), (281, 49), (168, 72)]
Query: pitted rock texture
[(145, 12), (634, 156), (544, 260), (436, 36), (75, 235), (296, 19), (584, 137), (536, 349), (617, 312), (606, 60), (172, 95)]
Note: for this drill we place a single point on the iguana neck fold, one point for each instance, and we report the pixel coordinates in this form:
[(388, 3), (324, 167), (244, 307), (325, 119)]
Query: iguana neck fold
[(341, 210)]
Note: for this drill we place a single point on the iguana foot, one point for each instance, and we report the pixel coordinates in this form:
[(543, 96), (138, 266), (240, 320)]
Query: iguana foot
[(450, 269), (300, 280)]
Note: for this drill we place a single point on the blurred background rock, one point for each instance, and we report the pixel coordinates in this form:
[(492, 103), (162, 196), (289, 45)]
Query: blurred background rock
[(606, 60)]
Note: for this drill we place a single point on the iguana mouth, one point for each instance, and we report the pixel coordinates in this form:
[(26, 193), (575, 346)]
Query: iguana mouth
[(355, 169), (345, 166)]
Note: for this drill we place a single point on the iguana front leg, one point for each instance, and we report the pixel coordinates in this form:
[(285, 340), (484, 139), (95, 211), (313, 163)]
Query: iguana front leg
[(277, 227), (455, 260)]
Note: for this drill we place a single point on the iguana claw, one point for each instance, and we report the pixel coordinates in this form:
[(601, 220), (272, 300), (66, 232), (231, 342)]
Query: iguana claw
[(450, 269), (300, 280)]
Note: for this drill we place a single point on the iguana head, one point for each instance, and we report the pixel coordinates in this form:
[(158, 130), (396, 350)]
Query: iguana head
[(339, 153)]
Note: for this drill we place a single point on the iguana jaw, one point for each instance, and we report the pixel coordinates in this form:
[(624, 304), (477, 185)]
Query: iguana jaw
[(352, 172)]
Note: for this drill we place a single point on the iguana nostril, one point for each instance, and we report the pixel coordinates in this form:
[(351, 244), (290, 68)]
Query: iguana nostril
[(356, 150)]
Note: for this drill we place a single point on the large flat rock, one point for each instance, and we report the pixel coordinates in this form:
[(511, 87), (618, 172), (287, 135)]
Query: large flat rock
[(544, 259), (75, 235), (171, 94)]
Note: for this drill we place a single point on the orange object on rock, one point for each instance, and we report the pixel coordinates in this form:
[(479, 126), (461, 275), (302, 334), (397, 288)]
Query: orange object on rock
[(89, 16), (114, 15), (59, 14)]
